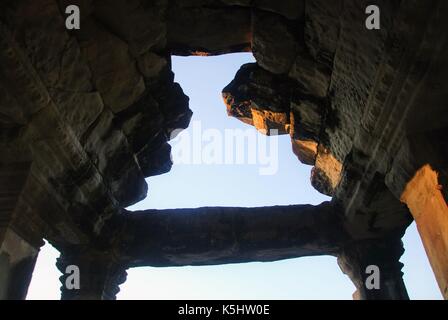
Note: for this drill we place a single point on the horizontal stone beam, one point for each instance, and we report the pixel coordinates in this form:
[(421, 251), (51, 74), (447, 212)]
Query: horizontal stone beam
[(221, 235)]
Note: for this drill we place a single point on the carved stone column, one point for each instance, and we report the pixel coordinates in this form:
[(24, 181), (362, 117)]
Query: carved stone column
[(356, 260), (99, 275)]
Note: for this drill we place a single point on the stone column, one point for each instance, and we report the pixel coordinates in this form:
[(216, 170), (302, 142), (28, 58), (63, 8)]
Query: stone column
[(360, 261), (419, 178), (99, 275), (20, 238), (17, 260), (425, 200)]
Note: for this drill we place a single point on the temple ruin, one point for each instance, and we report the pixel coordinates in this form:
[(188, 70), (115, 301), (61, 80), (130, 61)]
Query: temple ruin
[(86, 115)]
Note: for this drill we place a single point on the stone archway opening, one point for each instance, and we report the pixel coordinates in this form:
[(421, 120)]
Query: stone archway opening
[(234, 149), (203, 183)]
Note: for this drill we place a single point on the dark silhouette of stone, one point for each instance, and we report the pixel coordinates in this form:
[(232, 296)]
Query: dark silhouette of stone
[(86, 115)]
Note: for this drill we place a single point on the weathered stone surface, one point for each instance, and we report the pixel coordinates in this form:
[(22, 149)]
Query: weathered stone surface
[(326, 175), (142, 122), (151, 64), (204, 236), (59, 63), (322, 29), (46, 41), (12, 180), (306, 118), (73, 72), (139, 23), (109, 149), (357, 58), (10, 116), (80, 110), (305, 150), (259, 98), (244, 3), (274, 44), (173, 104), (269, 122), (155, 161), (208, 31), (114, 70), (313, 77), (291, 9)]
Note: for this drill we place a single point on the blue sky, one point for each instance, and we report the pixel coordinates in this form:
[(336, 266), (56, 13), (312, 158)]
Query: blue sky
[(189, 186)]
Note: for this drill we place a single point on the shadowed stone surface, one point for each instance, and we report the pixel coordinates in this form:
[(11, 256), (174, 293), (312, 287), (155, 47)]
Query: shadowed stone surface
[(207, 236), (86, 115)]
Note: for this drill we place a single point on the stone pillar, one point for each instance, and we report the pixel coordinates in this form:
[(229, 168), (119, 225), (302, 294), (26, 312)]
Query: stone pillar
[(424, 198), (20, 238), (18, 249), (17, 260), (99, 275), (355, 260)]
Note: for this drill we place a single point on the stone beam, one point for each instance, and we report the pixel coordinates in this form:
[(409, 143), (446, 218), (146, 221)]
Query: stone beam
[(216, 235)]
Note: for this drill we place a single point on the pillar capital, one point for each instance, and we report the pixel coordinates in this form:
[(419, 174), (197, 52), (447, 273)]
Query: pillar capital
[(100, 274), (359, 260)]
